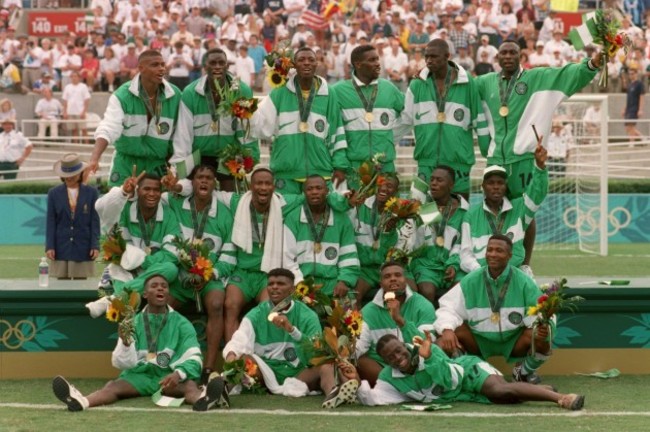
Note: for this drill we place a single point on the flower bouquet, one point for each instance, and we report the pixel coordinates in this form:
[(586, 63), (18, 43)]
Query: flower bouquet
[(369, 174), (243, 109), (346, 320), (122, 310), (553, 299), (196, 268), (328, 347), (113, 245), (403, 208), (279, 63), (243, 372), (402, 255), (309, 292), (237, 161)]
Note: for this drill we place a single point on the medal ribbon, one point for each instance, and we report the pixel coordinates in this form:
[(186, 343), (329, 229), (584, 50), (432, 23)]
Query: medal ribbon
[(495, 227), (260, 237), (318, 236), (368, 104), (495, 306), (152, 342), (440, 230), (504, 93), (198, 223), (146, 228), (153, 113), (441, 98), (305, 108)]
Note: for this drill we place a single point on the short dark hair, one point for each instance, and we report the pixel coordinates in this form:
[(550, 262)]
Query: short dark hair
[(502, 237), (149, 176), (314, 176), (390, 176), (147, 54), (146, 281), (391, 263), (303, 48), (359, 51), (261, 170), (383, 341), (439, 43), (283, 272), (450, 171), (212, 51), (200, 167)]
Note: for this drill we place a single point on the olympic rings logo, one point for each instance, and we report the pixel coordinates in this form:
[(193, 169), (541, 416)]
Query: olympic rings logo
[(13, 337), (587, 223)]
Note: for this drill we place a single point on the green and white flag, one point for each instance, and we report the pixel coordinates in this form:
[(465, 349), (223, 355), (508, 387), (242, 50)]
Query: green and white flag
[(419, 189), (166, 401), (583, 35), (185, 167), (429, 213)]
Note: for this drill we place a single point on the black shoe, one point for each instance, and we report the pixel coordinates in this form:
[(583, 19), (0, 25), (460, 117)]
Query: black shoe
[(212, 396), (68, 394), (224, 400), (205, 376), (519, 376)]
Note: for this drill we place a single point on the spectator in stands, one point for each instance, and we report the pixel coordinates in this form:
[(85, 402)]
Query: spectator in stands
[(463, 59), (245, 66), (458, 35), (46, 82), (90, 69), (525, 31), (48, 110), (557, 44), (548, 27), (68, 63), (10, 81), (182, 35), (300, 36), (524, 61), (485, 46), (483, 66), (526, 12), (7, 110), (396, 63), (119, 46), (257, 52), (72, 229), (418, 38), (416, 64), (488, 22), (32, 64), (507, 21), (179, 65), (558, 151), (129, 64), (109, 68), (195, 22), (269, 32), (633, 103), (539, 58), (160, 15), (14, 149), (557, 60), (336, 64), (75, 104)]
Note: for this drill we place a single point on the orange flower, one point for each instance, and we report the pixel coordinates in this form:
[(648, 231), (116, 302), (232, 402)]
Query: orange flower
[(250, 366)]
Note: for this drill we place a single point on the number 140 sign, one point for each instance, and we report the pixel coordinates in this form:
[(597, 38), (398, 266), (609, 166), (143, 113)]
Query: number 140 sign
[(56, 23)]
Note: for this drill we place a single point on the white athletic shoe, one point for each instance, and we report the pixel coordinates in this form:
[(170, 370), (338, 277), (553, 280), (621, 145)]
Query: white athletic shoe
[(346, 393), (68, 394), (529, 271), (98, 307)]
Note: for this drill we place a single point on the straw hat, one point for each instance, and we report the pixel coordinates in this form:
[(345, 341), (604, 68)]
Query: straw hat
[(70, 165)]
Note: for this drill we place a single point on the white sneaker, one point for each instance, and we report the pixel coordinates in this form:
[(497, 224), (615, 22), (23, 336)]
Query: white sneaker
[(529, 271), (68, 394), (98, 307)]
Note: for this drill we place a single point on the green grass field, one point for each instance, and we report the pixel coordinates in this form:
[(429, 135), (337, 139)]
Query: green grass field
[(611, 405), (21, 262)]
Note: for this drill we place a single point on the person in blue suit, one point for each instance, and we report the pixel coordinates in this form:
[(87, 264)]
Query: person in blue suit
[(72, 231)]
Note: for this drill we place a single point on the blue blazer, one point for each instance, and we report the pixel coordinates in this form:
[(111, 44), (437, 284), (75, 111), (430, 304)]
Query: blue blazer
[(72, 239)]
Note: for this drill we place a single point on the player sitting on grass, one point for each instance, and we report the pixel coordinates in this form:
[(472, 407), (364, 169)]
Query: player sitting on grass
[(163, 354), (272, 335), (426, 374)]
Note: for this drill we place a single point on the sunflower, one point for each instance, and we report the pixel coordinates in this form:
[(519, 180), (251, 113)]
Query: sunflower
[(112, 314), (390, 203), (533, 310), (302, 290), (276, 79)]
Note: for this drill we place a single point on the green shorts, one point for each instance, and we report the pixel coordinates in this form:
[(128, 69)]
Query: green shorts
[(436, 277), (370, 275), (122, 167), (250, 282), (476, 371), (500, 349), (145, 378), (185, 295), (461, 184), (520, 174), (283, 369)]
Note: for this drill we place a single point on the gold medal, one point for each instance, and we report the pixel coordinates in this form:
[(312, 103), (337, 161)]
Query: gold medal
[(440, 241), (159, 129), (369, 117), (304, 126), (495, 317), (441, 117), (151, 356), (214, 126), (503, 111), (317, 248)]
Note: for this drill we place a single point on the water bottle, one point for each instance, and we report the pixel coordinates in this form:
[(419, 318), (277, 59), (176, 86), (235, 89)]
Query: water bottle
[(43, 273)]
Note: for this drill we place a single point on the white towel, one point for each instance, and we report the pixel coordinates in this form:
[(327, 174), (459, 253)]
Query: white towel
[(242, 235)]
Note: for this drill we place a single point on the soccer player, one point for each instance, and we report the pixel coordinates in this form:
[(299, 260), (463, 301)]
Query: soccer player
[(516, 100), (273, 335), (139, 121), (426, 374), (319, 242), (371, 108), (444, 108), (486, 314), (304, 120), (201, 126), (499, 215), (163, 354), (438, 267), (396, 310)]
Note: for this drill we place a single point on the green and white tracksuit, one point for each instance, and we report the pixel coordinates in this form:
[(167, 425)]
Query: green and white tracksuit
[(281, 351), (418, 314), (337, 260), (115, 207), (450, 142), (135, 137), (436, 379), (295, 154), (216, 234), (366, 139), (468, 302), (516, 214), (177, 350), (534, 100), (432, 264), (194, 130)]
